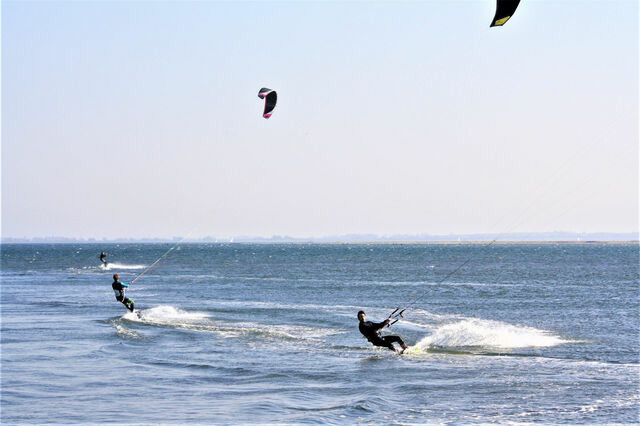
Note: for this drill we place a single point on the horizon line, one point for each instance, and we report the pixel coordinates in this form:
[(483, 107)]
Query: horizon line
[(548, 236)]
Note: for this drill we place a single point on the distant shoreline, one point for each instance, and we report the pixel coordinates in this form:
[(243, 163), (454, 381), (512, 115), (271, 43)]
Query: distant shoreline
[(551, 237), (488, 242), (400, 242)]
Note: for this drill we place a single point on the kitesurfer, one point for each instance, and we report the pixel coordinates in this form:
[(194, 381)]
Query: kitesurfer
[(119, 289), (103, 258), (371, 330)]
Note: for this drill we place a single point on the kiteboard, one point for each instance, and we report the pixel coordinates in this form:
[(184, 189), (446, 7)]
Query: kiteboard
[(411, 350)]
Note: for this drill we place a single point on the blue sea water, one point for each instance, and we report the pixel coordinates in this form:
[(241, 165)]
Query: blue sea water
[(264, 333)]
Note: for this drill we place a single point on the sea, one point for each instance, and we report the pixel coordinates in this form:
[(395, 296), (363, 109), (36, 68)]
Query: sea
[(267, 333)]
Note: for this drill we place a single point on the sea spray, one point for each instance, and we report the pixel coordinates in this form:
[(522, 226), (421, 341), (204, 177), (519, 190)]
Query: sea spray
[(487, 333), (120, 266)]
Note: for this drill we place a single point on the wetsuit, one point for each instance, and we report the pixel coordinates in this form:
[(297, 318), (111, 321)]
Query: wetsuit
[(119, 289), (103, 257), (371, 330)]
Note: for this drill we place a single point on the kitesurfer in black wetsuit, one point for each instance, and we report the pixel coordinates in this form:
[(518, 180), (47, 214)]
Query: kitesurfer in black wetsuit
[(119, 289), (371, 330), (103, 258)]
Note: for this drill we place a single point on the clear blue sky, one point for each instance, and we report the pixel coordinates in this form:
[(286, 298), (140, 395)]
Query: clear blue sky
[(141, 119)]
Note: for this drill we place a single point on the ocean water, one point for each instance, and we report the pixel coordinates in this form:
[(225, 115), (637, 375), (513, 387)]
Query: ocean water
[(264, 333)]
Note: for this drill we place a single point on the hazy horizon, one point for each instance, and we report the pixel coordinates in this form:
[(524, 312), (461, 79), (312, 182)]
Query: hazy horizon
[(555, 236), (141, 119)]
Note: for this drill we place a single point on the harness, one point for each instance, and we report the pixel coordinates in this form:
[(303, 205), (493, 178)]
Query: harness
[(119, 293)]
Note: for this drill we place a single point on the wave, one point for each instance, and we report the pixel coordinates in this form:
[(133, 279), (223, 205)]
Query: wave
[(125, 332), (606, 404), (487, 333)]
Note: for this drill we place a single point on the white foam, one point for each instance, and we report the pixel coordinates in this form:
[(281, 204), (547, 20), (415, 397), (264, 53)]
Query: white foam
[(125, 331), (486, 333), (170, 316), (164, 314), (110, 266), (301, 332)]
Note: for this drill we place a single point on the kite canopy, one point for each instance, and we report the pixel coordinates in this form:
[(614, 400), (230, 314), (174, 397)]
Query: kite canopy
[(270, 97), (504, 10)]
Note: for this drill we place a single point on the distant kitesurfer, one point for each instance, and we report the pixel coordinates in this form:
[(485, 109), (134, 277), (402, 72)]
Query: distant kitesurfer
[(371, 330), (103, 258), (119, 288)]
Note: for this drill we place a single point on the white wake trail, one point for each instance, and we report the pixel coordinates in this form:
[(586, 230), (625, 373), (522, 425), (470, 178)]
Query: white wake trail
[(120, 266), (487, 333)]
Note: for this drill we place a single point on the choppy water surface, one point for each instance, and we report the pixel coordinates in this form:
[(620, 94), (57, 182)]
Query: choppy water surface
[(268, 333)]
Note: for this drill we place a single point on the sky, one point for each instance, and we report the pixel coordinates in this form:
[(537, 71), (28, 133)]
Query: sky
[(141, 119)]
